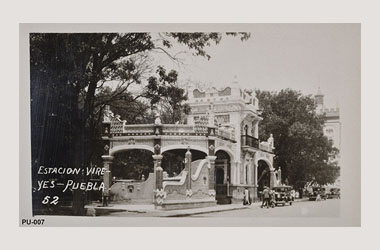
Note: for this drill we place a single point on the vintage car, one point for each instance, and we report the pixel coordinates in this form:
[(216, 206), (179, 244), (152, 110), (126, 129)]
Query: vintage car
[(318, 193), (282, 195), (334, 193)]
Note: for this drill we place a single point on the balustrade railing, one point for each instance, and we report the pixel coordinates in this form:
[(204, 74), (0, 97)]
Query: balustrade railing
[(177, 128), (199, 128), (138, 129), (247, 140), (265, 147)]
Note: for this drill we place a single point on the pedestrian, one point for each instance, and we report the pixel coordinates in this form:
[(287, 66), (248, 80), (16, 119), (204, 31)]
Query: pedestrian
[(272, 198), (266, 197), (246, 199), (293, 194)]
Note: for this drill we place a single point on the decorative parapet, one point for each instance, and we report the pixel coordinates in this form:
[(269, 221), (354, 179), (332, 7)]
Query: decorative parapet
[(203, 123), (177, 129), (201, 126), (195, 176), (117, 125), (138, 129), (265, 146), (233, 92), (176, 182)]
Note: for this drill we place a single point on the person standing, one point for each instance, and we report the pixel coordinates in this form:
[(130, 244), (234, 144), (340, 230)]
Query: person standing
[(266, 197), (247, 200)]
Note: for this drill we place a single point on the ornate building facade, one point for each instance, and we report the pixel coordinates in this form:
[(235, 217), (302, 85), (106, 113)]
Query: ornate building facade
[(221, 133), (236, 114)]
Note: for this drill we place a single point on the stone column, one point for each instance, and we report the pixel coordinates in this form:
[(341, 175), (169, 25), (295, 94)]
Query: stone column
[(159, 194), (250, 172), (254, 166), (279, 176), (272, 178), (188, 168), (158, 171), (225, 169), (107, 161), (241, 173), (211, 174)]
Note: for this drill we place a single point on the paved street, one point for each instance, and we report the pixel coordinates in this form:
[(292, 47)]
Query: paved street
[(327, 208)]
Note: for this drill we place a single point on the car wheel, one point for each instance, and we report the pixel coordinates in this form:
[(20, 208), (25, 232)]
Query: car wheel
[(290, 203)]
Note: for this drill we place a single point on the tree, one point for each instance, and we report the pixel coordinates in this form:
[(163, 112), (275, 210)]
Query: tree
[(67, 71), (301, 149), (164, 92)]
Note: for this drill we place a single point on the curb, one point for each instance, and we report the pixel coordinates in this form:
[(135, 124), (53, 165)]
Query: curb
[(202, 212)]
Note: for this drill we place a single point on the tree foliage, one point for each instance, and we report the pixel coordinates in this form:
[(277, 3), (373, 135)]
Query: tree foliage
[(162, 91), (302, 151)]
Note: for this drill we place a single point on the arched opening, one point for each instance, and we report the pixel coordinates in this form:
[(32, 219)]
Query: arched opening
[(263, 175), (219, 176), (246, 130), (135, 164), (173, 160), (132, 176), (222, 177)]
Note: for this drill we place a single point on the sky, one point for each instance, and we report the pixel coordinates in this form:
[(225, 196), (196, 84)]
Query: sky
[(302, 57)]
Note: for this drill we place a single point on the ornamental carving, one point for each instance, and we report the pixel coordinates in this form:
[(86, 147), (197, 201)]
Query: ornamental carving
[(185, 141), (131, 141), (160, 195), (212, 193), (157, 131), (189, 194), (147, 142)]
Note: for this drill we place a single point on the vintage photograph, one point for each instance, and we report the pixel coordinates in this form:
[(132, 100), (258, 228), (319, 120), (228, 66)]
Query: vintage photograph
[(236, 122)]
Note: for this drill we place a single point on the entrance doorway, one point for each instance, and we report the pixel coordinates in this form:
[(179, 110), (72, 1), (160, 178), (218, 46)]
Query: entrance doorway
[(219, 175), (222, 177), (263, 175)]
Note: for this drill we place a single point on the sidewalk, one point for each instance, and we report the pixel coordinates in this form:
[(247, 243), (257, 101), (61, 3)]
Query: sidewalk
[(150, 211)]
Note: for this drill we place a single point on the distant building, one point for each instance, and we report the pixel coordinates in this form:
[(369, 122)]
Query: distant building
[(332, 125)]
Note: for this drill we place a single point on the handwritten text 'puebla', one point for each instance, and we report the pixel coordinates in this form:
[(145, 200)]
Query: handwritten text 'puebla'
[(71, 185)]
